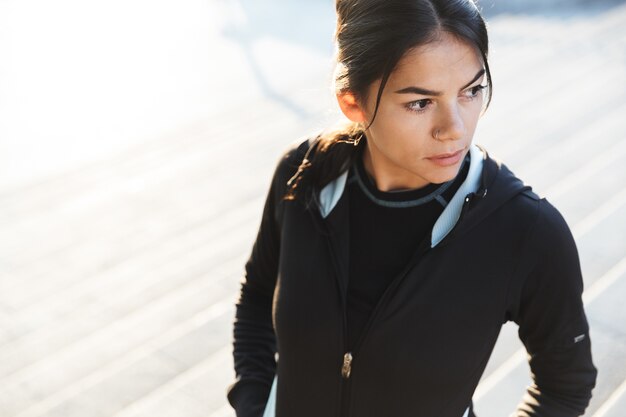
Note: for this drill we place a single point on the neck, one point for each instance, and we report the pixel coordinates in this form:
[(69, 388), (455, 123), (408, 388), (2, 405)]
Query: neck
[(386, 179)]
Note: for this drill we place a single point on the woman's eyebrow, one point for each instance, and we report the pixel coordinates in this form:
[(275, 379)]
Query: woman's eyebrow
[(426, 92)]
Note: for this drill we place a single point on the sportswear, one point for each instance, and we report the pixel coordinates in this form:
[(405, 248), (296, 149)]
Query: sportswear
[(497, 252), (384, 226)]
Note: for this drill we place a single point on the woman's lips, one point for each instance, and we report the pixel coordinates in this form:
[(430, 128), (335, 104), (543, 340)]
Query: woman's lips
[(446, 159)]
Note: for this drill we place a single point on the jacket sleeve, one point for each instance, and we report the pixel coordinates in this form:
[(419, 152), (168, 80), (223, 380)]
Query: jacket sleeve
[(553, 325), (254, 341)]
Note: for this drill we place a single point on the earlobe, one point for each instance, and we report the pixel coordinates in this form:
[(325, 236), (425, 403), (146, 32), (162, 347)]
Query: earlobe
[(350, 107)]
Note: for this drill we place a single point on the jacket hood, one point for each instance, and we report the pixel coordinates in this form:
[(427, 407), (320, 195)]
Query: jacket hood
[(489, 184)]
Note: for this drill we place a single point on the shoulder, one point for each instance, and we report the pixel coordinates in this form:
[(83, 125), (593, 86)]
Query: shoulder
[(544, 235), (530, 210), (292, 156), (550, 257), (547, 228), (548, 266), (552, 233), (288, 164)]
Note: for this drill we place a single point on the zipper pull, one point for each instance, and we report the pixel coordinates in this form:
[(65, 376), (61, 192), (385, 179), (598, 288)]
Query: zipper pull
[(347, 365)]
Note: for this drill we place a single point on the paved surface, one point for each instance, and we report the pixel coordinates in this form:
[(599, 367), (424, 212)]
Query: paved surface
[(122, 248)]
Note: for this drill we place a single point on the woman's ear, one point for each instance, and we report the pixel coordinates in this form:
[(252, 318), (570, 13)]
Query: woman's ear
[(350, 107)]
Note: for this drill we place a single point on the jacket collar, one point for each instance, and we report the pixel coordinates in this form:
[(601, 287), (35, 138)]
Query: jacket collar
[(448, 218), (329, 196), (485, 176)]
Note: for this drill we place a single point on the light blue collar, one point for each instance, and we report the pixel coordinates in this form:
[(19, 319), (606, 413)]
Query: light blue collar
[(331, 193), (450, 215)]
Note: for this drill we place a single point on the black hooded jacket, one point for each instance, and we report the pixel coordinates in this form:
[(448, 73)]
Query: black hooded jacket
[(506, 255)]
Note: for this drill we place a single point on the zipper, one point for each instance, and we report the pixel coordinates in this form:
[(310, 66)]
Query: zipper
[(346, 365), (391, 289), (346, 368), (348, 356)]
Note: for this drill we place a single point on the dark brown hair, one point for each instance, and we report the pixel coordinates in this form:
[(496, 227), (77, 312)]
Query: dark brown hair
[(370, 38)]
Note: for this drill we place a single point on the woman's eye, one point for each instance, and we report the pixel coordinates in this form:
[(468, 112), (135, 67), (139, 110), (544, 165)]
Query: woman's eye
[(473, 92), (418, 106)]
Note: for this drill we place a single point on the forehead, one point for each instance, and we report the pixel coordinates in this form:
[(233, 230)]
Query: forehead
[(445, 63)]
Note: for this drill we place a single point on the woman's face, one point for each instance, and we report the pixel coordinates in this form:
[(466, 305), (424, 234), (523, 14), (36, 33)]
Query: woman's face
[(430, 106)]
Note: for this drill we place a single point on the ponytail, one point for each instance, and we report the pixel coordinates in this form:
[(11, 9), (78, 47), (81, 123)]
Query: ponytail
[(333, 152)]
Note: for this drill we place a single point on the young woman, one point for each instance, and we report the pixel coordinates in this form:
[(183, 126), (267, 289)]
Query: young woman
[(392, 250)]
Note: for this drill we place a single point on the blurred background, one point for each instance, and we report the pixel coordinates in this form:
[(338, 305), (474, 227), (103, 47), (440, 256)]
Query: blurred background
[(137, 141)]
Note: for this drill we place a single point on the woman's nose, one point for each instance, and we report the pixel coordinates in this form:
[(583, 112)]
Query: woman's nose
[(451, 126)]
